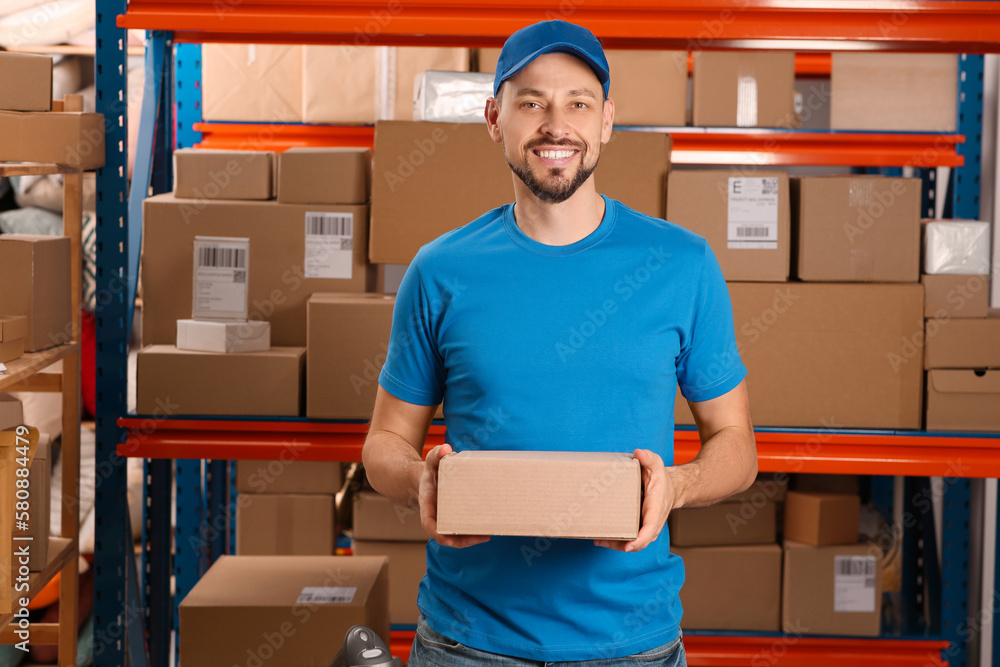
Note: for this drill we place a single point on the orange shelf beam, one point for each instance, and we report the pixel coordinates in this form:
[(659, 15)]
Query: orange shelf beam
[(870, 453), (823, 25), (692, 145)]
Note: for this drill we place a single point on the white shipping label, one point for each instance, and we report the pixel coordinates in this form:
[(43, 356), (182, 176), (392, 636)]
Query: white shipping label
[(220, 277), (329, 245), (327, 595), (854, 583), (753, 213)]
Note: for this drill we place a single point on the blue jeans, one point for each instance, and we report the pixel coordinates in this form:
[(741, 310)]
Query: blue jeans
[(431, 649)]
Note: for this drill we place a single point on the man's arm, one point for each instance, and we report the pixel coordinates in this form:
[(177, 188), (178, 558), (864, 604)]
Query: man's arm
[(391, 455)]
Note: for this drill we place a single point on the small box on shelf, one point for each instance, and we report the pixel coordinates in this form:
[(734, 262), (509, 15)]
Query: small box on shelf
[(222, 174), (225, 337), (13, 331), (25, 82), (35, 274), (285, 524)]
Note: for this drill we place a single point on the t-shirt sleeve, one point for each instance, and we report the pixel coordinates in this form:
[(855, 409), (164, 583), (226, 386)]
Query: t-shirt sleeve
[(414, 370), (709, 364)]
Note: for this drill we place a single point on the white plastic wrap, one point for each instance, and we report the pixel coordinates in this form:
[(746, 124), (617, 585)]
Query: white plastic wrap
[(451, 97), (957, 247)]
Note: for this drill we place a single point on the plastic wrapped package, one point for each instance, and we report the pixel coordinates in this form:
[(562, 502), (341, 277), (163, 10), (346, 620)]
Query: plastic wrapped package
[(451, 97), (957, 247)]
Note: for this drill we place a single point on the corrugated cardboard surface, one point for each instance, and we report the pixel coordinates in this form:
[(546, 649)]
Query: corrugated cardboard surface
[(39, 484), (277, 289), (963, 400), (430, 178), (179, 382), (7, 454), (829, 355), (74, 139), (551, 494), (35, 274), (25, 82), (857, 228), (344, 361), (407, 566), (744, 88), (219, 174), (223, 337), (893, 91), (699, 201), (252, 82), (289, 475), (808, 593), (822, 518), (324, 175), (13, 330), (378, 518), (962, 343), (731, 588), (283, 524), (242, 601), (339, 84), (723, 524), (947, 296), (11, 411)]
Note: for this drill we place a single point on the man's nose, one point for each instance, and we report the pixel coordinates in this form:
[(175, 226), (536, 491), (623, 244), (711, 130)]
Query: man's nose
[(555, 123)]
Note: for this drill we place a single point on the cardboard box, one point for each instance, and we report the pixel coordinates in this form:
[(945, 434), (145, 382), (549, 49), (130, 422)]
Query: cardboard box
[(73, 139), (180, 382), (289, 476), (834, 590), (723, 524), (894, 91), (407, 566), (820, 519), (430, 178), (948, 296), (13, 330), (280, 279), (857, 228), (252, 82), (829, 355), (963, 400), (958, 247), (11, 411), (25, 82), (768, 487), (324, 175), (745, 219), (376, 518), (271, 608), (224, 337), (219, 174), (962, 343), (744, 89), (7, 453), (551, 494), (344, 362), (731, 588), (280, 524), (40, 482), (35, 274), (352, 71)]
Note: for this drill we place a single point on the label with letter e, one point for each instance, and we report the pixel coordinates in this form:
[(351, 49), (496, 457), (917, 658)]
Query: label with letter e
[(327, 595), (220, 278), (329, 245), (854, 583), (753, 213)]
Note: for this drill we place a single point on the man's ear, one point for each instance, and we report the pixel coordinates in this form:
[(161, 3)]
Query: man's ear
[(607, 120), (492, 114)]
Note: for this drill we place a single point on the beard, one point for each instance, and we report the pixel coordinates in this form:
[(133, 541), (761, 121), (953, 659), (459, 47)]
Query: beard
[(560, 188)]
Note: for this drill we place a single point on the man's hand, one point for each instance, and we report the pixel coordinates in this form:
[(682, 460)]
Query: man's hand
[(428, 502), (658, 500)]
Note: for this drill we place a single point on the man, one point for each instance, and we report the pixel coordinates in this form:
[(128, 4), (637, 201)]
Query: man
[(483, 319)]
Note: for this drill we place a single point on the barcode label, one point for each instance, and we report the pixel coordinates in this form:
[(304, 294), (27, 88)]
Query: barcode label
[(854, 584), (220, 277), (327, 595), (753, 213), (216, 256), (329, 249)]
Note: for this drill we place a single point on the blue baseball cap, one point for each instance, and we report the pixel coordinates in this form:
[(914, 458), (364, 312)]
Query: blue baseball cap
[(551, 37)]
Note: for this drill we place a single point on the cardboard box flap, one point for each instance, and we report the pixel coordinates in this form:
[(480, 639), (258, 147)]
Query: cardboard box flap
[(964, 382)]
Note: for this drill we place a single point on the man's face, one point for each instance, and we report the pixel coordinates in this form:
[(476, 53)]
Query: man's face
[(552, 120)]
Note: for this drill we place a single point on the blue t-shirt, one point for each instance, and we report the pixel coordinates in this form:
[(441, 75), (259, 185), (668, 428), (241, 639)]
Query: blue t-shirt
[(575, 348)]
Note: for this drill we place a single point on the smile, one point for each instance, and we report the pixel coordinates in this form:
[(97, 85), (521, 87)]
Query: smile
[(554, 155)]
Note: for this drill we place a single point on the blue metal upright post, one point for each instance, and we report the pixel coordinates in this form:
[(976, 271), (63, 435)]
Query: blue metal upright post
[(965, 182), (955, 613), (187, 93)]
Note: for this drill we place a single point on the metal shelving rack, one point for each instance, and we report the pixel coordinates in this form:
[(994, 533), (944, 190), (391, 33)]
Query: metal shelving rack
[(808, 26)]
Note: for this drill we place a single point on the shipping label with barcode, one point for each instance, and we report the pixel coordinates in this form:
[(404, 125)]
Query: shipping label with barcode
[(329, 245), (854, 584), (753, 213), (220, 277), (327, 595)]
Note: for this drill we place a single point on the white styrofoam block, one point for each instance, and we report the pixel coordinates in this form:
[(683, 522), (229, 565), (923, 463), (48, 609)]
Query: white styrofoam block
[(958, 247), (203, 336)]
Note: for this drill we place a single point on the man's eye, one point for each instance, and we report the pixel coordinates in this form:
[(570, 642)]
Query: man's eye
[(530, 105), (579, 105)]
